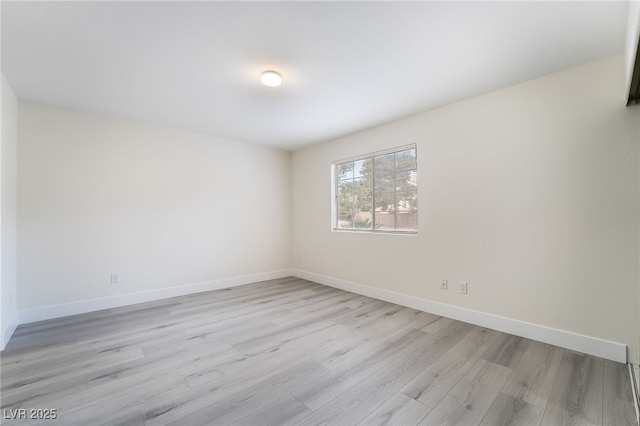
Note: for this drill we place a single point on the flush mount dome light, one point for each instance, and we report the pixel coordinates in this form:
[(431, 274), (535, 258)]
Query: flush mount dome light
[(271, 79)]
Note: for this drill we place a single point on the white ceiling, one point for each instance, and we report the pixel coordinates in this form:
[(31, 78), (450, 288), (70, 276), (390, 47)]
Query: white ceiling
[(346, 65)]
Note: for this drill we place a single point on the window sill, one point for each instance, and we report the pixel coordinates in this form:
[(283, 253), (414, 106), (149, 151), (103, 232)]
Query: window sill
[(355, 231)]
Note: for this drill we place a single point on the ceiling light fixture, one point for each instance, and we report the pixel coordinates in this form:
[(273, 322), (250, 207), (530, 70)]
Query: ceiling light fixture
[(271, 79)]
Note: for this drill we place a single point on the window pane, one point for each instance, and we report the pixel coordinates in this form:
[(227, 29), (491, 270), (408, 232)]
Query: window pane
[(406, 180), (344, 221), (345, 171), (385, 211), (383, 174), (407, 210), (362, 168), (362, 199), (384, 163), (407, 200), (354, 204), (363, 220), (384, 201), (406, 159), (407, 221), (345, 204), (385, 222)]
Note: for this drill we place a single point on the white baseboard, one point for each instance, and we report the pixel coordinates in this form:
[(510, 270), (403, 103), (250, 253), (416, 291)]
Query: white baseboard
[(84, 306), (565, 339), (578, 342), (7, 331)]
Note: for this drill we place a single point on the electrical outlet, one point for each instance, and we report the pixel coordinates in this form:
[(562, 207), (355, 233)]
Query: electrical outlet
[(444, 285), (115, 278), (463, 287)]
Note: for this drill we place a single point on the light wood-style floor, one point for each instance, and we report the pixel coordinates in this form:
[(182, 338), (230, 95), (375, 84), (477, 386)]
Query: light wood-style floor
[(293, 352)]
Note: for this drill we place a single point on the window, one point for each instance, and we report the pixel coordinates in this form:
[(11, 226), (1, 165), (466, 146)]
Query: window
[(377, 192)]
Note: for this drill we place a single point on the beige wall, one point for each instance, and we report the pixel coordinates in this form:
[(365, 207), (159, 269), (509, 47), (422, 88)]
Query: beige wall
[(161, 207), (530, 194), (8, 229)]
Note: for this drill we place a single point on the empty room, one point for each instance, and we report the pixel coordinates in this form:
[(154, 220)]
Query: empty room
[(329, 212)]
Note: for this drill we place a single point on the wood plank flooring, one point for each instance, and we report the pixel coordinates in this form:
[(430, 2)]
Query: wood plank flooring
[(290, 351)]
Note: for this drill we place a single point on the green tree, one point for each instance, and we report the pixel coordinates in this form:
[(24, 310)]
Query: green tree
[(354, 194), (396, 181)]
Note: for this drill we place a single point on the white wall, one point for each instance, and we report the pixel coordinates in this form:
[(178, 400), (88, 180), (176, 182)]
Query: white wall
[(166, 209), (8, 225), (530, 193)]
